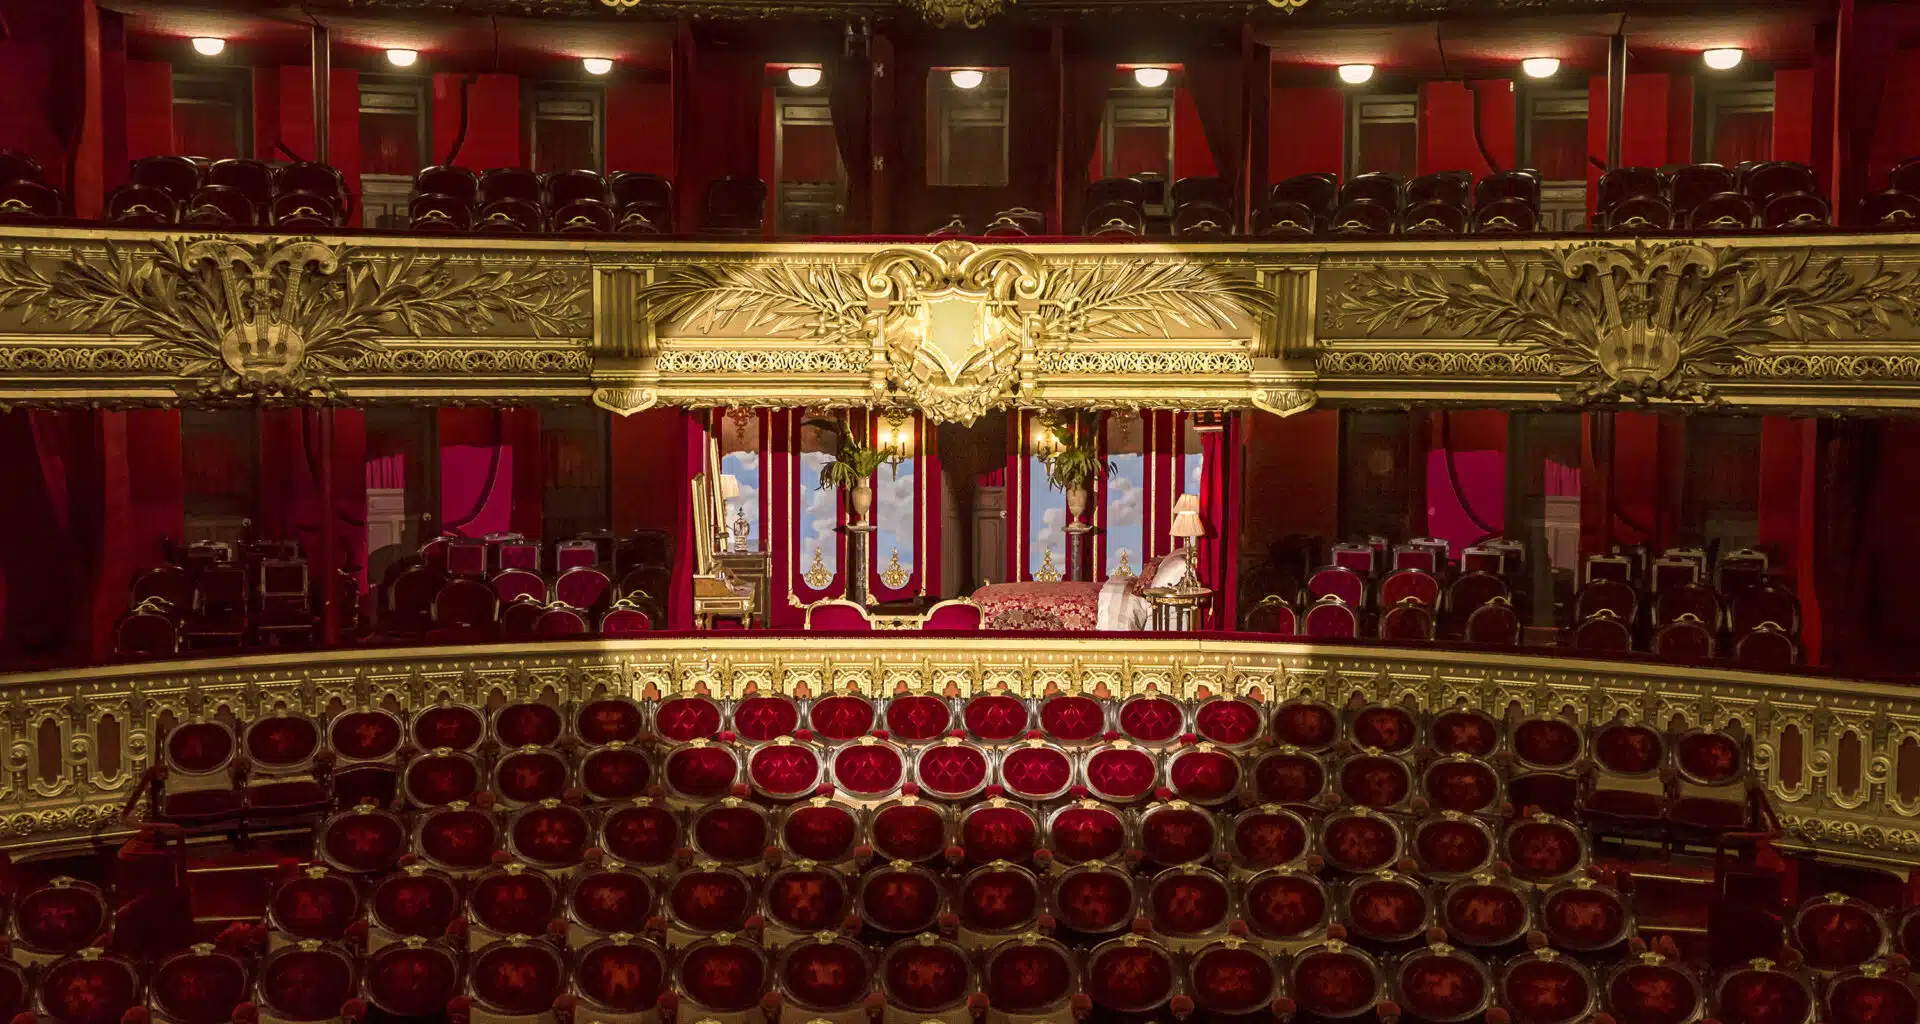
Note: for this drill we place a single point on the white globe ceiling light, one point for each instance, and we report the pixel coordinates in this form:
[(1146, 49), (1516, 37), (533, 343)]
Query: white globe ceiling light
[(1356, 74), (596, 65), (966, 78), (402, 58), (1724, 58), (1541, 67), (803, 77), (1150, 78), (208, 46)]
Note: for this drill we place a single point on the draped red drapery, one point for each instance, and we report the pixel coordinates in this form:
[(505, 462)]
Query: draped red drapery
[(1219, 551)]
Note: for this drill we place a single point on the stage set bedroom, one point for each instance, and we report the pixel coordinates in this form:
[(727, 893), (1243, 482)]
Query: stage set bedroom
[(959, 512)]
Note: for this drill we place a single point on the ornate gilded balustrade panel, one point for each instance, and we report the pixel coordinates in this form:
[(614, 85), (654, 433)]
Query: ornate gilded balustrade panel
[(956, 328), (1829, 752)]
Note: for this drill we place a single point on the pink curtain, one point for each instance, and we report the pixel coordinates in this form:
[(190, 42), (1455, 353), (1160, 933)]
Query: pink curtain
[(1219, 550), (693, 432)]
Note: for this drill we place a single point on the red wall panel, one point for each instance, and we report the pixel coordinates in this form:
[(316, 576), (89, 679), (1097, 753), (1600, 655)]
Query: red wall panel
[(1447, 140), (1191, 157), (1897, 135), (493, 123), (640, 127), (1793, 115), (1308, 133), (149, 108)]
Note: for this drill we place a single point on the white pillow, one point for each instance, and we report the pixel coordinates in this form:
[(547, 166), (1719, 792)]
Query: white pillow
[(1173, 568)]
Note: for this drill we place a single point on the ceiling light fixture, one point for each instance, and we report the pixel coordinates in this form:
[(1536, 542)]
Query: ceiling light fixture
[(402, 58), (966, 78), (803, 77), (596, 65), (1150, 78), (1356, 74), (208, 46), (1725, 58), (1541, 67)]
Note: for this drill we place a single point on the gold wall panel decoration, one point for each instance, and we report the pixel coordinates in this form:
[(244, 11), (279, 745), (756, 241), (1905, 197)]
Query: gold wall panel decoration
[(124, 318), (274, 316), (1639, 321)]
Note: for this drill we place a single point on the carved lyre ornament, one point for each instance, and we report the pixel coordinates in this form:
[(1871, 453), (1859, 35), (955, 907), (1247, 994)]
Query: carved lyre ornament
[(1654, 320)]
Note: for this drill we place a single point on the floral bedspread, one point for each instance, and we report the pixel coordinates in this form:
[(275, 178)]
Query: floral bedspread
[(1064, 605)]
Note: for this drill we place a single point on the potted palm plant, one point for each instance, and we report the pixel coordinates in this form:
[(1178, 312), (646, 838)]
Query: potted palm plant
[(1073, 466), (851, 469)]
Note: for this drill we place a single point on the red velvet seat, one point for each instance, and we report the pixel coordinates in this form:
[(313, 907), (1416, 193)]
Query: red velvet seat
[(528, 775), (1385, 908), (899, 900), (1584, 916), (1506, 217), (1546, 752), (1375, 780), (1151, 719), (838, 616), (1434, 218), (1466, 730), (1542, 849), (1767, 601), (608, 719), (465, 603), (959, 616), (1684, 639), (304, 211), (643, 833), (701, 772), (1072, 718), (1338, 581), (1450, 845), (1761, 992), (1282, 904), (219, 206), (1088, 831), (1835, 932), (1312, 725), (200, 781), (367, 840), (806, 898), (1442, 985), (1289, 776), (1641, 213), (585, 588), (763, 717), (1330, 618), (1281, 218), (1461, 783), (88, 989), (841, 717), (283, 775), (915, 717), (821, 830), (1230, 722), (147, 631), (60, 917), (1272, 614), (1693, 184), (687, 717), (317, 904), (1545, 987), (1409, 620), (1267, 836), (1172, 835), (910, 831), (457, 839), (1093, 899), (731, 832), (998, 831), (1485, 913), (1360, 840), (306, 983), (1601, 633), (998, 900), (952, 769), (1335, 981), (1121, 772), (1621, 184), (515, 977), (199, 986), (1723, 211), (1889, 211), (560, 620)]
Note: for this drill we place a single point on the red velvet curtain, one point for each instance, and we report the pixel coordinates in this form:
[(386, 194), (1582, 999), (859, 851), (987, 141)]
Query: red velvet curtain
[(1089, 77), (1216, 75), (850, 100), (1219, 550), (1033, 119), (693, 430), (718, 91)]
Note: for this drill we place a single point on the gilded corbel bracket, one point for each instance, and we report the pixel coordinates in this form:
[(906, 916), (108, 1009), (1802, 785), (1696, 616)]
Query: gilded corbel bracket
[(625, 379)]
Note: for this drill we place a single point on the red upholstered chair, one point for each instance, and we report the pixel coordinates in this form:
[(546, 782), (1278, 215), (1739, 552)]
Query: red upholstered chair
[(316, 904), (517, 617), (1384, 728), (1461, 783), (584, 217), (200, 785), (1336, 581), (527, 723), (198, 986), (1611, 595), (1465, 730), (456, 840), (915, 832), (30, 201), (1151, 719), (1360, 840), (446, 724), (1121, 772), (466, 603), (1036, 770), (625, 618), (1692, 184), (1304, 722), (843, 716), (1229, 980), (1494, 624), (1767, 646), (1128, 976), (1889, 211), (1268, 836), (441, 778), (1442, 985), (687, 717), (1450, 846), (1475, 588), (928, 976), (551, 836), (1723, 211), (1229, 722), (1866, 995), (305, 211), (1541, 849), (804, 899), (413, 978), (1711, 784), (838, 616), (701, 772), (1415, 584), (1272, 614), (1172, 835), (952, 769), (587, 589), (1544, 987), (1375, 780), (821, 830), (509, 900), (575, 554), (409, 597), (137, 205), (1601, 633), (1286, 905), (148, 631), (1684, 639), (1280, 218), (988, 833), (1072, 718), (1410, 619), (1373, 186), (1627, 787), (997, 901), (365, 840), (709, 899), (1766, 601), (220, 206), (1094, 899), (61, 917), (306, 983), (510, 585), (530, 774), (560, 620), (608, 719), (439, 214), (910, 718), (84, 988), (456, 183), (1583, 916), (1738, 570), (1288, 775), (366, 745), (619, 978), (733, 832), (1485, 912), (957, 614), (1330, 618), (1189, 904), (1034, 977), (1695, 599), (284, 776), (1506, 217), (642, 833), (1546, 757), (615, 772), (1835, 932), (762, 717), (1358, 557), (515, 977), (1762, 992), (1336, 981), (1623, 183)]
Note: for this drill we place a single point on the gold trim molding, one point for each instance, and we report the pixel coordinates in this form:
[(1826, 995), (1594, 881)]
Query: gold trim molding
[(1840, 796), (956, 329)]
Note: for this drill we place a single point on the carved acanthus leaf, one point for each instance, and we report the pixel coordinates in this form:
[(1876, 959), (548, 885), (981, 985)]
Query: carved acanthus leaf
[(815, 300)]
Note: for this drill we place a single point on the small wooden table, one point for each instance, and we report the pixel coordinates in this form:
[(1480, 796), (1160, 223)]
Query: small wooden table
[(1176, 609), (714, 599)]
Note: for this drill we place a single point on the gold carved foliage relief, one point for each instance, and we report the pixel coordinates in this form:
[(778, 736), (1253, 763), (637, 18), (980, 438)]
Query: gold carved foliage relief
[(279, 316), (1642, 321)]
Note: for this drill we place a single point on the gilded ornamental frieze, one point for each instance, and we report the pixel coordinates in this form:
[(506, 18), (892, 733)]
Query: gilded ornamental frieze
[(1830, 753), (957, 329)]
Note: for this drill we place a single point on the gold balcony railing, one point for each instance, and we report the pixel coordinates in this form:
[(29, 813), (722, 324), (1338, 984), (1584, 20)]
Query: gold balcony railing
[(1840, 759)]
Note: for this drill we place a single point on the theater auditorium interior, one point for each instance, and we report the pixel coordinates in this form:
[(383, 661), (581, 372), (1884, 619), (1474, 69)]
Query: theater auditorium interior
[(959, 511)]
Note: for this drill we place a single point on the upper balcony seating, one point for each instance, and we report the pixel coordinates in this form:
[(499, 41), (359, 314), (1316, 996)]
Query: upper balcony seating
[(510, 200), (1440, 204), (1897, 207), (24, 192), (164, 190), (1774, 195)]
